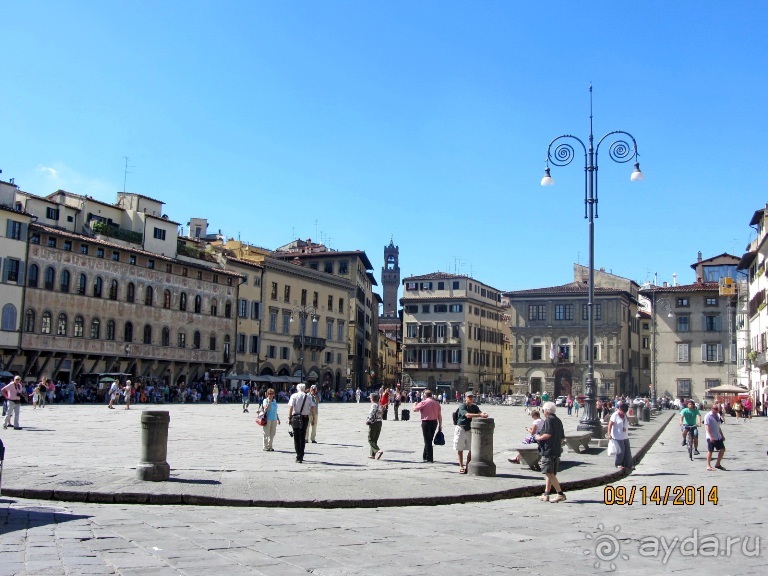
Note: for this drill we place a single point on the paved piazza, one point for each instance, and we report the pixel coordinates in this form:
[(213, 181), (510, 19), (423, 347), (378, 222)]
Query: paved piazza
[(83, 453)]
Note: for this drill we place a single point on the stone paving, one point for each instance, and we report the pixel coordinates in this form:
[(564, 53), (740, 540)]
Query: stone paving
[(90, 453), (582, 535)]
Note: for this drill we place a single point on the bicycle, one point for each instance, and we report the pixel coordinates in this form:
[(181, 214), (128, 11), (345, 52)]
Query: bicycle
[(690, 439)]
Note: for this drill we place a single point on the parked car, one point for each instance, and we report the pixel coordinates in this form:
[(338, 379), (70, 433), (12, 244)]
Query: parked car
[(560, 401)]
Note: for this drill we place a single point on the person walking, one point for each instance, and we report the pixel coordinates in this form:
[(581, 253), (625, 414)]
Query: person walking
[(374, 427), (358, 394), (245, 390), (550, 441), (384, 402), (38, 398), (618, 430), (576, 406), (569, 404), (300, 406), (13, 392), (311, 432), (462, 436), (715, 437), (431, 421), (215, 393), (113, 392), (269, 404), (128, 391)]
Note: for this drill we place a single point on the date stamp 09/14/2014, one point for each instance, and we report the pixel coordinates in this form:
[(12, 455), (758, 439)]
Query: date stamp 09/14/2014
[(660, 495)]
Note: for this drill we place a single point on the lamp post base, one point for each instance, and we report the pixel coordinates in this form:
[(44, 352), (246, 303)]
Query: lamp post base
[(595, 426)]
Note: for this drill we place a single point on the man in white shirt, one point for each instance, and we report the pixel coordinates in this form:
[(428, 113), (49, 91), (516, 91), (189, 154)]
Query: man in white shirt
[(13, 392), (715, 437), (301, 405)]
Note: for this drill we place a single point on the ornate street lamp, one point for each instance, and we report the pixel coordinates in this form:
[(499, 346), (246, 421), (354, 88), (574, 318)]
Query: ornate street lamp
[(303, 312), (561, 153)]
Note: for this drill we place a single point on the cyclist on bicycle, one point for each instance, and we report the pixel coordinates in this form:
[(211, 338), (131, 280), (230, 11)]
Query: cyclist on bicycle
[(690, 418)]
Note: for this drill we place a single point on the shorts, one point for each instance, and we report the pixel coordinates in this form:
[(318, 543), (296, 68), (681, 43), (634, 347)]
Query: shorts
[(713, 445), (695, 431), (462, 439), (549, 465)]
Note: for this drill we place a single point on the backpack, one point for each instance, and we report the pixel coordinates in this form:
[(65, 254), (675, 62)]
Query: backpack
[(456, 417)]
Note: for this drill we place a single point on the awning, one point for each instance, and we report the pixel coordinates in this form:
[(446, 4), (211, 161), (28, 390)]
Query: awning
[(727, 389)]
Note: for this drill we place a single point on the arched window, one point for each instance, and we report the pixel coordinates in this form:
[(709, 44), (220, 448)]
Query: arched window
[(95, 328), (32, 276), (82, 282), (183, 302), (98, 287), (167, 299), (64, 281), (147, 334), (110, 329), (228, 309), (214, 307), (148, 296), (128, 332), (166, 338), (182, 340), (131, 293), (45, 325), (196, 340), (29, 321), (226, 348), (212, 342), (113, 290), (61, 325), (50, 278), (9, 317), (198, 304), (78, 326)]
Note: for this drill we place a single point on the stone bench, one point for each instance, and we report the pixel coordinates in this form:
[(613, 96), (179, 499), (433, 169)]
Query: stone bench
[(578, 441), (529, 455), (633, 420)]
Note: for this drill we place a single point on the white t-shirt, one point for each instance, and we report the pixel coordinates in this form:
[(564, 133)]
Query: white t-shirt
[(620, 428)]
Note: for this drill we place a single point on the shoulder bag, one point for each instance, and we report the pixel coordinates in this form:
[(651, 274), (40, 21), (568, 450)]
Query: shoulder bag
[(296, 421)]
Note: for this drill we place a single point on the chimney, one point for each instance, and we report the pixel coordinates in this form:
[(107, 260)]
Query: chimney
[(664, 285), (699, 260)]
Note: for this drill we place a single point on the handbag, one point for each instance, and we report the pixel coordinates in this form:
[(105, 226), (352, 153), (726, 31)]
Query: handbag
[(296, 421), (261, 418), (439, 438), (613, 447)]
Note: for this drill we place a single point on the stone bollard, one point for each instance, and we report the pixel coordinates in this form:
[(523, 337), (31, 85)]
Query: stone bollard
[(154, 446), (482, 448), (646, 414)]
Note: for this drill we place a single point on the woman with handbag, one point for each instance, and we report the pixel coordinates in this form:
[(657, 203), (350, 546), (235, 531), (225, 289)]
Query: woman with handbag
[(269, 406), (374, 427), (618, 432)]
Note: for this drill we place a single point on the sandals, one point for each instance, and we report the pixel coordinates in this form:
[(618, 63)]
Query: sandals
[(379, 454), (710, 468), (462, 470)]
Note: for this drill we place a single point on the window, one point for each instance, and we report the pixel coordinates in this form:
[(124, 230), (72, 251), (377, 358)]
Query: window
[(82, 280), (343, 267), (100, 252), (61, 325), (241, 343), (183, 302), (425, 308), (328, 267), (78, 327), (148, 296), (226, 348), (242, 308), (50, 278), (29, 321), (712, 323), (14, 230), (167, 299), (456, 308), (329, 329), (537, 312), (340, 331), (98, 287), (45, 325), (32, 276), (35, 239), (564, 312), (287, 294), (683, 303), (51, 242), (150, 264), (711, 352), (68, 245), (683, 323), (683, 352), (147, 336), (254, 349), (8, 322), (11, 269), (84, 249), (165, 336), (710, 302), (95, 329), (273, 291), (212, 342), (287, 318), (271, 351), (132, 259), (596, 353), (684, 388), (111, 329), (113, 290), (284, 353), (441, 308), (537, 349), (185, 273), (646, 343), (182, 339), (273, 320), (341, 305), (303, 297), (52, 213), (196, 340), (116, 256), (159, 234), (128, 332), (315, 299), (330, 303), (130, 295), (198, 304), (228, 309)]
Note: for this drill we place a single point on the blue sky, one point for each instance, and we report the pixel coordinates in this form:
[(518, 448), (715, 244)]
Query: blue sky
[(428, 122)]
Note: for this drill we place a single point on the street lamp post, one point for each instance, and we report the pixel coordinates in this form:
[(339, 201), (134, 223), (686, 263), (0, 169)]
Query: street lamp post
[(561, 153), (303, 312), (664, 304)]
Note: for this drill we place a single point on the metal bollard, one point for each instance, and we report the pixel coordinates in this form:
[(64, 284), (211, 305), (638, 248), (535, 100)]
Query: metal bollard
[(482, 448), (154, 446), (646, 414)]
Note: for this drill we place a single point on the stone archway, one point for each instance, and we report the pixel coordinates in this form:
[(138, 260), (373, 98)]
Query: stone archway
[(563, 382)]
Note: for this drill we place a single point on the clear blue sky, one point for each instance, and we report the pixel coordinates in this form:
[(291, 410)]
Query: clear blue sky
[(352, 122)]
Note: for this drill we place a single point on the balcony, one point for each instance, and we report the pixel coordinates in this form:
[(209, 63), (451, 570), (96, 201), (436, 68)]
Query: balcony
[(434, 340), (431, 365), (310, 343)]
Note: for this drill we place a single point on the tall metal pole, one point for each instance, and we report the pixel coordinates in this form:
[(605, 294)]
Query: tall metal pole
[(561, 153)]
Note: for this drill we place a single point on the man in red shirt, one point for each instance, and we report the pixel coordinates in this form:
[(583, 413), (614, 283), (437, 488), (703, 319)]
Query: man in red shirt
[(431, 421), (13, 391)]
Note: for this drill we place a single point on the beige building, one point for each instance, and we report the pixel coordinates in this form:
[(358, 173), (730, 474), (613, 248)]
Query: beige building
[(453, 334), (549, 336)]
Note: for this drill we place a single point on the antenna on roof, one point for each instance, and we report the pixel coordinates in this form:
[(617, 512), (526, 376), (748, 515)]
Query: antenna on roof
[(126, 172)]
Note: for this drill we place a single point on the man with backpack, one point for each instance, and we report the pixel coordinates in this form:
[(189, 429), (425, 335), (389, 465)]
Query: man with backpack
[(462, 436)]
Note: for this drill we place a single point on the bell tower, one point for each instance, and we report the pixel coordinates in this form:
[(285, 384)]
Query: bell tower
[(390, 279)]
